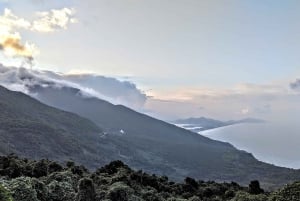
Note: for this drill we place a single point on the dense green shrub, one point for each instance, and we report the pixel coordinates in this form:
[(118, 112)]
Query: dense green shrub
[(119, 192), (288, 193), (54, 167), (86, 190), (254, 188), (21, 189), (40, 189), (61, 191), (40, 169), (51, 181), (5, 195), (244, 196)]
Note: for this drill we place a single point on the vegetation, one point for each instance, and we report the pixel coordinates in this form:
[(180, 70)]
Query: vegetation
[(44, 180), (5, 194)]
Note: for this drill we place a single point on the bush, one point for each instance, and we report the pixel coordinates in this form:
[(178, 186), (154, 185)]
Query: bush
[(40, 169), (65, 176), (86, 190), (21, 189), (290, 192), (5, 195), (54, 167), (61, 191), (192, 182), (244, 196), (119, 192), (40, 189), (254, 188)]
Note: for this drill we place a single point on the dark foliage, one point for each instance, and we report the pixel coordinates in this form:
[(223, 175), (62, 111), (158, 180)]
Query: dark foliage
[(254, 188), (117, 182), (86, 190)]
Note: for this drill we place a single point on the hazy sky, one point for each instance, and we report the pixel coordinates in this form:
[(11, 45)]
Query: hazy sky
[(219, 58)]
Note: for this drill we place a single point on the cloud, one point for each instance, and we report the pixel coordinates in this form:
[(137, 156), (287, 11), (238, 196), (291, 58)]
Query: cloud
[(106, 88), (264, 101), (234, 103), (12, 46), (295, 85), (9, 21), (47, 21), (10, 38), (123, 92), (241, 91), (54, 20), (10, 41)]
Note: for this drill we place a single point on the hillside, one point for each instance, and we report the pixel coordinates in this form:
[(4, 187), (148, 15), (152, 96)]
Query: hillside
[(44, 180), (165, 149), (32, 129)]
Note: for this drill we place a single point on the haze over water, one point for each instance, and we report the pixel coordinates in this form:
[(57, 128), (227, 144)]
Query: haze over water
[(270, 142)]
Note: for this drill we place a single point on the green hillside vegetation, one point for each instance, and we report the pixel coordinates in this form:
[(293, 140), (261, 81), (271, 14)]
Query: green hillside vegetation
[(44, 180)]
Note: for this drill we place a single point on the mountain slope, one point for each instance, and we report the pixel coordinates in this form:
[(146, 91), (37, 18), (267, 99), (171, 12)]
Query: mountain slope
[(32, 129), (155, 146), (137, 139)]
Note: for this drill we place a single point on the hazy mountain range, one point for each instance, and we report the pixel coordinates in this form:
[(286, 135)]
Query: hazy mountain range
[(92, 131)]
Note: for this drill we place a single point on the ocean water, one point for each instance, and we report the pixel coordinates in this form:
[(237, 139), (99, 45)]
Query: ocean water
[(274, 143)]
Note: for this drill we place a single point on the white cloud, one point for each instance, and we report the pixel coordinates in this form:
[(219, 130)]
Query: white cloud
[(50, 21), (9, 21), (106, 88), (10, 40), (10, 24)]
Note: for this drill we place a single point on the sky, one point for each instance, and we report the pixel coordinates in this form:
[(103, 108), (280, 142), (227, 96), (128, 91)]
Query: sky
[(225, 59)]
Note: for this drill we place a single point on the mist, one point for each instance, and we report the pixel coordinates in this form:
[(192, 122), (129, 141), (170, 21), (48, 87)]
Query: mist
[(272, 142), (105, 88)]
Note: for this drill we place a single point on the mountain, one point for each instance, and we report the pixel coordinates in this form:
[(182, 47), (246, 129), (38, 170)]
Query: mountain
[(27, 180), (162, 148), (104, 132), (200, 124), (35, 130)]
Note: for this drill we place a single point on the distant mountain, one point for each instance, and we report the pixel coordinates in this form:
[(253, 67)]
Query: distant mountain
[(200, 124), (118, 133)]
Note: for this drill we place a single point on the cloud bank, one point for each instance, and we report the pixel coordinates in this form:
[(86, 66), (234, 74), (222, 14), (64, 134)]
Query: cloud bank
[(123, 92), (109, 89), (269, 101)]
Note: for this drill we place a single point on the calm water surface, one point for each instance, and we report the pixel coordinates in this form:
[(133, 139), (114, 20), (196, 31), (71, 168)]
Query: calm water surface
[(273, 143)]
